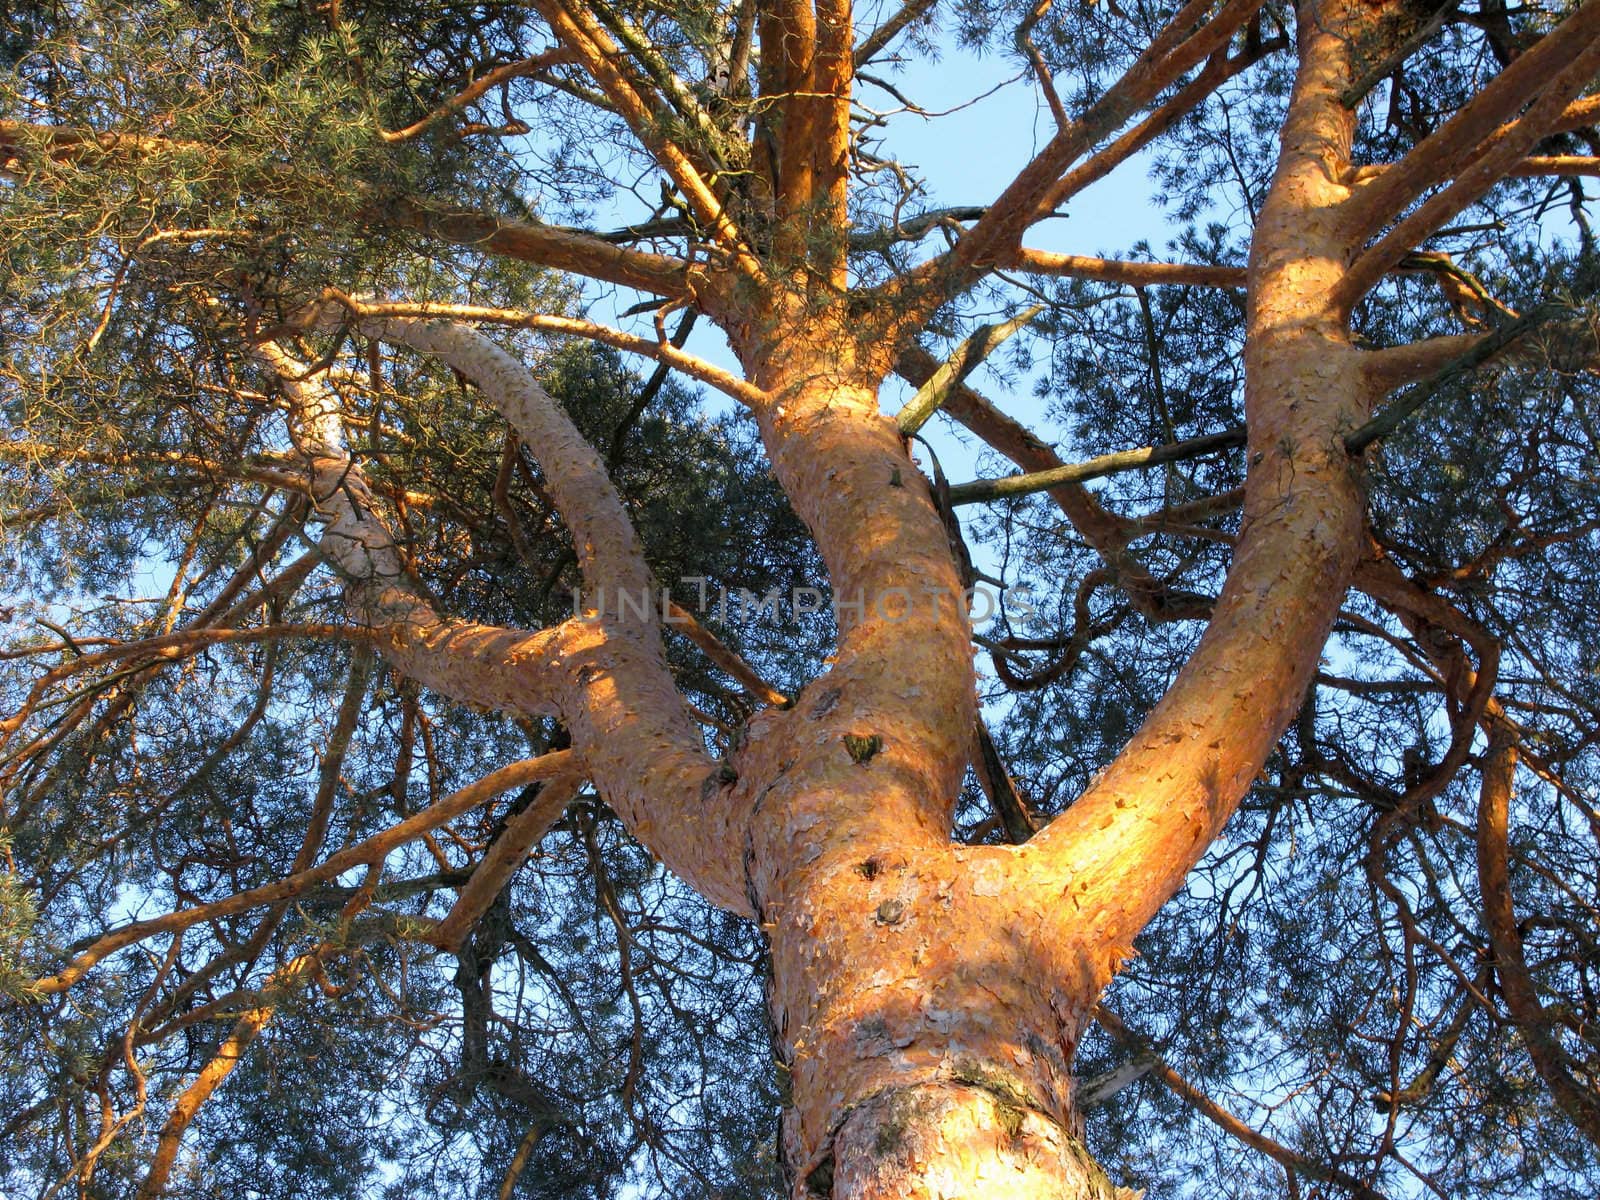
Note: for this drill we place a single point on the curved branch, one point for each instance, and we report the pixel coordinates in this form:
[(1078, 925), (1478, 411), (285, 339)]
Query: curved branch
[(1516, 981), (605, 674), (476, 89), (1286, 1157), (660, 350)]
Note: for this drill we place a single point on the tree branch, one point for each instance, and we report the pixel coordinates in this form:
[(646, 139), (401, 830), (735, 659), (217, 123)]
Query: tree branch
[(1389, 368), (980, 490), (1516, 981), (905, 15), (504, 858), (364, 853), (1564, 62), (1290, 1160), (475, 90), (663, 351), (1134, 274), (1107, 533), (606, 676), (1178, 47)]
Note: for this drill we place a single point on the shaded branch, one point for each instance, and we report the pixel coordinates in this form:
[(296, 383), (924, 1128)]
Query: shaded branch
[(367, 852), (1577, 1101), (1284, 1156), (1389, 367), (1106, 464)]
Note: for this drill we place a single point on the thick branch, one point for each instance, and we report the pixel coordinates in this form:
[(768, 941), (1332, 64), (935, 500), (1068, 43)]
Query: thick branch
[(606, 676), (560, 249), (1128, 842), (603, 59), (1564, 63), (1478, 124)]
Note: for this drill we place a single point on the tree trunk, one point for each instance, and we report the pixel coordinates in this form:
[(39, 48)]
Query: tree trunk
[(961, 1139), (927, 1019)]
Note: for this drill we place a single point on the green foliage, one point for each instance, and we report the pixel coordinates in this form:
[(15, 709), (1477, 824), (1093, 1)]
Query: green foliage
[(1307, 977)]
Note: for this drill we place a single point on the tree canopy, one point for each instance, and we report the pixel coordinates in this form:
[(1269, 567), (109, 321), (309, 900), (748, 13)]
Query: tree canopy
[(573, 629)]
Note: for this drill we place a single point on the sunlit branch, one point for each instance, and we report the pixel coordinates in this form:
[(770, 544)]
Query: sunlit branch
[(273, 469), (683, 621), (527, 240), (1134, 274), (660, 350), (1477, 125), (552, 246), (1041, 71), (476, 90), (605, 674), (1219, 69), (505, 855), (1555, 71), (709, 156), (1580, 114), (974, 349), (602, 59), (874, 42), (1558, 164), (832, 72), (289, 522), (788, 34), (166, 649), (282, 981), (368, 852), (1175, 50)]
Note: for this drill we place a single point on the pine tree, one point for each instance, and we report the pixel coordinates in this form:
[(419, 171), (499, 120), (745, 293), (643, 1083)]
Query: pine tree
[(441, 757)]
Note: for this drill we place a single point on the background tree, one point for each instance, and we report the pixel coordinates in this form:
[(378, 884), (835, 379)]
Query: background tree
[(326, 492)]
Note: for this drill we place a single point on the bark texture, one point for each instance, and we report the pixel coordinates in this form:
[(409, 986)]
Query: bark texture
[(927, 999)]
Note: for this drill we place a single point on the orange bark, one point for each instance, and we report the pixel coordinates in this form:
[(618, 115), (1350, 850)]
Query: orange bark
[(928, 998), (882, 932)]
